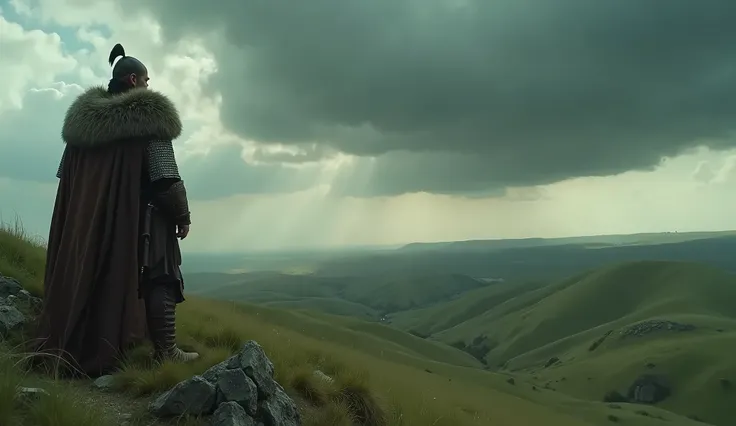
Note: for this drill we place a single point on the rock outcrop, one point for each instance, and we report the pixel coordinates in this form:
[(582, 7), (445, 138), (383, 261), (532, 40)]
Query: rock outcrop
[(15, 304), (240, 391), (652, 326), (9, 287), (649, 389), (552, 361)]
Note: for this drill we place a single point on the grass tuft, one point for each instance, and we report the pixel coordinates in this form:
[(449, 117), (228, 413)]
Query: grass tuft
[(61, 408), (22, 256), (315, 390), (10, 380), (331, 414), (363, 405)]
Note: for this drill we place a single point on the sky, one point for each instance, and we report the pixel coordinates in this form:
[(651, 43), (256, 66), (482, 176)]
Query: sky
[(324, 123)]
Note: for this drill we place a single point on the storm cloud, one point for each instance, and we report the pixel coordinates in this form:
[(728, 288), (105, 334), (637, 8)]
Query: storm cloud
[(462, 96)]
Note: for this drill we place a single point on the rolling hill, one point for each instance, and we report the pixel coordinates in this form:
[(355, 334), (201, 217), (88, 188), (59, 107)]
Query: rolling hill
[(593, 240), (536, 261), (365, 297), (603, 328), (409, 380)]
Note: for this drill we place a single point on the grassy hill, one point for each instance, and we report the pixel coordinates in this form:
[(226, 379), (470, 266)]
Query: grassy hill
[(398, 292), (443, 316), (536, 261), (365, 297), (593, 240), (408, 381), (602, 325)]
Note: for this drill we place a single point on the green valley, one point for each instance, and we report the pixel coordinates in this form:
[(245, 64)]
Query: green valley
[(454, 348)]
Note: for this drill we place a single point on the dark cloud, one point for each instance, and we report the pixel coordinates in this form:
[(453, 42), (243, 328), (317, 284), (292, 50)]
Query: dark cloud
[(308, 153), (483, 93), (223, 172)]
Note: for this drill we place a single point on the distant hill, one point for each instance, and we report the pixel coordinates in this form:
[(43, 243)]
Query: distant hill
[(400, 292), (594, 240), (327, 305), (678, 316), (547, 262), (367, 297), (440, 317), (512, 259), (621, 293)]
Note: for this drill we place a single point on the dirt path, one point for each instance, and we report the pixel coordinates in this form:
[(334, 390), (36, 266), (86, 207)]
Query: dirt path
[(119, 408)]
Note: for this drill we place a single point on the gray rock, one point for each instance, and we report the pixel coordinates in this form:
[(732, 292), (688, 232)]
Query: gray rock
[(235, 386), (195, 397), (649, 389), (213, 373), (29, 300), (652, 326), (9, 287), (10, 319), (105, 382), (231, 414), (256, 365), (552, 361), (240, 390), (30, 394), (280, 410), (322, 376)]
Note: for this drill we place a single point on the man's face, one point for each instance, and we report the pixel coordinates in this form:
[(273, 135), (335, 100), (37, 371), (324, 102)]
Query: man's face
[(139, 81)]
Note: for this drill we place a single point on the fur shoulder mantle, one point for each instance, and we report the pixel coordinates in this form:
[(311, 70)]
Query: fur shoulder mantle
[(97, 118)]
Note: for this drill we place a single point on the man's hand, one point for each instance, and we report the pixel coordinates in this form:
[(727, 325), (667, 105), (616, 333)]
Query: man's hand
[(182, 231)]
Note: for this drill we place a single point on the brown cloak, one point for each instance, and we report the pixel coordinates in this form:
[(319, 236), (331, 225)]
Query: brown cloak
[(92, 311)]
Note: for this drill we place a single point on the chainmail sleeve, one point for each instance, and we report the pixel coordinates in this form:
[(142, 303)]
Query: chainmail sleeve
[(161, 161), (163, 173)]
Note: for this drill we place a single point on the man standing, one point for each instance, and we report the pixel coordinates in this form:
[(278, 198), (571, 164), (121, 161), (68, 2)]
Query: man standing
[(113, 259)]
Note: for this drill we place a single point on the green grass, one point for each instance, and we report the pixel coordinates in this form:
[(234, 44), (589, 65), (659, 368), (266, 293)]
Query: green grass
[(353, 296), (382, 376), (605, 297), (59, 406), (434, 319), (400, 292), (22, 256), (525, 329), (693, 363), (332, 306)]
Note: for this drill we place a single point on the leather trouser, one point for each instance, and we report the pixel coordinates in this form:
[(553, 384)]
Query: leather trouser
[(161, 317)]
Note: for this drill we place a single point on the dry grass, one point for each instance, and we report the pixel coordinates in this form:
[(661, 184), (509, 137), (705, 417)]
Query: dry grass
[(59, 407)]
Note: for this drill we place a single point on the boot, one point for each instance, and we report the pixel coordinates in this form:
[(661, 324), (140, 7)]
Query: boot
[(161, 316)]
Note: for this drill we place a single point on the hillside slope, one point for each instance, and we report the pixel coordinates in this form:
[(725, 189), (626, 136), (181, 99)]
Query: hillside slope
[(443, 316), (618, 294), (608, 325), (375, 295), (404, 381)]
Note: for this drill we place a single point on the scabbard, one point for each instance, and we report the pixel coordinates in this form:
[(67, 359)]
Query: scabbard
[(145, 261)]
